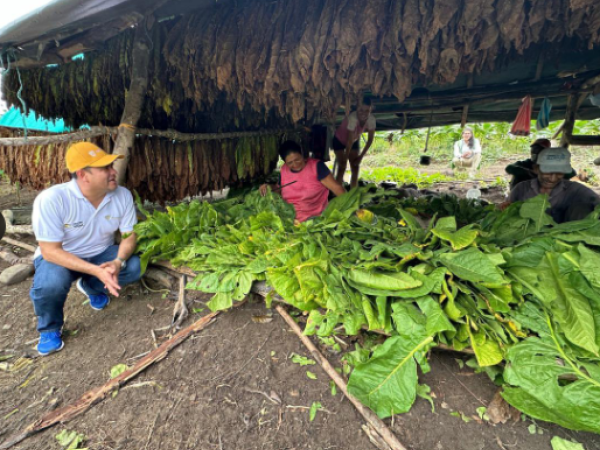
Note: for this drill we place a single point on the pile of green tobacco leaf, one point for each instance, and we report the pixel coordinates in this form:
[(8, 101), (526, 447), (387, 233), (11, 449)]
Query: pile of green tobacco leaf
[(518, 289)]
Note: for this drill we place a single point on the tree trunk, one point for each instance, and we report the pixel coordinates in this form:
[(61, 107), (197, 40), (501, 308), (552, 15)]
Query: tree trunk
[(134, 101)]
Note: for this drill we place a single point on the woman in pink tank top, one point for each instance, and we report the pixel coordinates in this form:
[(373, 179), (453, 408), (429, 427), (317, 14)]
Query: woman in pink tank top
[(312, 182)]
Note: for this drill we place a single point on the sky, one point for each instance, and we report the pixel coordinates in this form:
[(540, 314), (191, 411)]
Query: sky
[(11, 10)]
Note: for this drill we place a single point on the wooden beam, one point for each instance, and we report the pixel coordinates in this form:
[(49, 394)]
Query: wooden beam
[(134, 100), (584, 141), (56, 138), (492, 98), (100, 131)]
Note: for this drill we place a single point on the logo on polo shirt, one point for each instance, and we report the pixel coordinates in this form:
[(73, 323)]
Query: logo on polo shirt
[(73, 225)]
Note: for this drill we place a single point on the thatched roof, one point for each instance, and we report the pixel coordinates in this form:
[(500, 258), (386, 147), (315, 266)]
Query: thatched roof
[(300, 60)]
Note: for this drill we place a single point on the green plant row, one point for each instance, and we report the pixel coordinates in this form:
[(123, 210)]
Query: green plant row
[(519, 290)]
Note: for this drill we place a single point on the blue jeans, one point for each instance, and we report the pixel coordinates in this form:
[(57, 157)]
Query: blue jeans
[(51, 284)]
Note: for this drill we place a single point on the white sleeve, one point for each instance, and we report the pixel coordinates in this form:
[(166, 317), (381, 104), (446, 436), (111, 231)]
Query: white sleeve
[(371, 123), (477, 146), (352, 121), (129, 215), (47, 218), (457, 152)]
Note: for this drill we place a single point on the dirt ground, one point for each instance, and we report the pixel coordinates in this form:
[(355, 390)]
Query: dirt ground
[(211, 392)]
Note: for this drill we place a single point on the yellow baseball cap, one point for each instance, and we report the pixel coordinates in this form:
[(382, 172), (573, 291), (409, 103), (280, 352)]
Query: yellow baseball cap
[(86, 154)]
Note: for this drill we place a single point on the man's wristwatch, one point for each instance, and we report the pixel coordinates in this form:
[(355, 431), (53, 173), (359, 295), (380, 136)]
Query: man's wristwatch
[(123, 262)]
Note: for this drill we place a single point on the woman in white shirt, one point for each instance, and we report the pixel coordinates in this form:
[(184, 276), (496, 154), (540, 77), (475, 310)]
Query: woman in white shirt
[(467, 152)]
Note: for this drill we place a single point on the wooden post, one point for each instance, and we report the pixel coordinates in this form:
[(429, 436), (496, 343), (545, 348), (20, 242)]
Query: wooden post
[(569, 124), (573, 103), (465, 112), (134, 100)]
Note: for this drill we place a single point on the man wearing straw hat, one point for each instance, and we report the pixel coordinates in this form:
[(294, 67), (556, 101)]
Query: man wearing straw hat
[(75, 225)]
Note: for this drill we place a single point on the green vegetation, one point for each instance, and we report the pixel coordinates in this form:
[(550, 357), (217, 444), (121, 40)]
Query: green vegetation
[(399, 175), (399, 150), (519, 290)]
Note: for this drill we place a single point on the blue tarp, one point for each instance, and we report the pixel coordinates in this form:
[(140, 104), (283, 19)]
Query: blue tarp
[(14, 119)]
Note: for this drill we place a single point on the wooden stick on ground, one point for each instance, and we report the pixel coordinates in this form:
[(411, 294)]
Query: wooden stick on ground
[(371, 418), (16, 243), (98, 394)]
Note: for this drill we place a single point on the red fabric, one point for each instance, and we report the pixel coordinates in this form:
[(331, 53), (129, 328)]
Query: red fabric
[(522, 124), (308, 194)]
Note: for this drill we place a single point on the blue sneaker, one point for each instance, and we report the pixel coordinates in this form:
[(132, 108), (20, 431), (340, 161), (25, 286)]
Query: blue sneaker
[(50, 342), (97, 302)]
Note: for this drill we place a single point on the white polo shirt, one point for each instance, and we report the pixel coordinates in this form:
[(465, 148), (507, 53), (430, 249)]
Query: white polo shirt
[(62, 214)]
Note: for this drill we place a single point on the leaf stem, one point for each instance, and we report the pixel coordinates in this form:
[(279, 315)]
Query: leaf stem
[(565, 357)]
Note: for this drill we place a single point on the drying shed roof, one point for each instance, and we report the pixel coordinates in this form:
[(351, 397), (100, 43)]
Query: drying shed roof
[(422, 62)]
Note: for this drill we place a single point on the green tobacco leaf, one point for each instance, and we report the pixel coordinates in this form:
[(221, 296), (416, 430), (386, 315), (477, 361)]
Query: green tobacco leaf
[(487, 351), (70, 440), (590, 265), (473, 265), (482, 413), (532, 374), (391, 281), (535, 209), (447, 224), (117, 370), (387, 383), (302, 360), (559, 443), (458, 239), (220, 301), (408, 320), (437, 321), (572, 309), (423, 392), (313, 410)]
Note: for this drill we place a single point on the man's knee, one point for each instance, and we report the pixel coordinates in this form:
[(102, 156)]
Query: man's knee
[(50, 280), (53, 289)]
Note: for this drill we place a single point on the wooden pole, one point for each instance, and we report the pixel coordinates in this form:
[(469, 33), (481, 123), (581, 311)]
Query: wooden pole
[(465, 112), (573, 103), (173, 135), (134, 100), (369, 415), (57, 138), (569, 123)]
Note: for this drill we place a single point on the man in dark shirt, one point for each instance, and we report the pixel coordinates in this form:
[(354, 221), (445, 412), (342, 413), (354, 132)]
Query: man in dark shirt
[(568, 200), (523, 170)]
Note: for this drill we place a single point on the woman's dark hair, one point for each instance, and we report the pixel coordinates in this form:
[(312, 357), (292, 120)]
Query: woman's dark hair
[(367, 101), (289, 147), (471, 142)]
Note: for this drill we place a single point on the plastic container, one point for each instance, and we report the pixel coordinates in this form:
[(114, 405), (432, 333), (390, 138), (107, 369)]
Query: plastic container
[(474, 193)]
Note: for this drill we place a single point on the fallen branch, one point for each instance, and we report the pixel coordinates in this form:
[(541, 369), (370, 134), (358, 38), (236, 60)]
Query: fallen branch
[(98, 394), (369, 415), (16, 243)]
